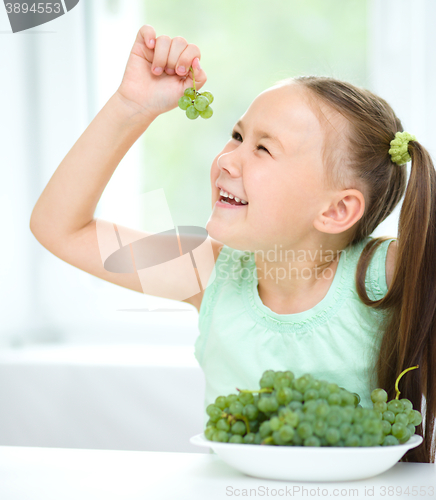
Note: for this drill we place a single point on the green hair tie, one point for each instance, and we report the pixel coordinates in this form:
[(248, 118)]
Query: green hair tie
[(399, 153)]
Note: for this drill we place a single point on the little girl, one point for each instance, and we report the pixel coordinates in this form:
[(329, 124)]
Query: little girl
[(311, 169)]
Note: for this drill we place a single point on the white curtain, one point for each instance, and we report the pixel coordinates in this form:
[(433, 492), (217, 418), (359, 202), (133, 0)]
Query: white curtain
[(402, 70)]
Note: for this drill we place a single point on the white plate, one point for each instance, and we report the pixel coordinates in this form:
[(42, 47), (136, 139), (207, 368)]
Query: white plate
[(307, 463)]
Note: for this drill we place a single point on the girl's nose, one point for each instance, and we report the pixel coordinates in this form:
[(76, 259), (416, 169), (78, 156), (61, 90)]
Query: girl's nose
[(228, 162)]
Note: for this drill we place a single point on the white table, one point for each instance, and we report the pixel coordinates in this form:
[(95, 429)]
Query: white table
[(75, 474), (115, 397)]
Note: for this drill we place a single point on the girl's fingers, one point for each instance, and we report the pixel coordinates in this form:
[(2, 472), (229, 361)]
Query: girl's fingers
[(199, 74), (161, 50), (178, 45), (186, 58), (147, 34)]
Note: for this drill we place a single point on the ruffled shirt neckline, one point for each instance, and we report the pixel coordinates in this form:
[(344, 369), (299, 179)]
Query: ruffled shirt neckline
[(305, 320)]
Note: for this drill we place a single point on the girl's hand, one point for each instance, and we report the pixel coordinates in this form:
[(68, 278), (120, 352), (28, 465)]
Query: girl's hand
[(154, 81)]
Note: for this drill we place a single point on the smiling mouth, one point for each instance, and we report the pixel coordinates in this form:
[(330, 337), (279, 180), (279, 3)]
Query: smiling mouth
[(229, 201)]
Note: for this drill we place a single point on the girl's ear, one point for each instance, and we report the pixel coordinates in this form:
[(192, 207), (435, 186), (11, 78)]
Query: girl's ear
[(345, 210)]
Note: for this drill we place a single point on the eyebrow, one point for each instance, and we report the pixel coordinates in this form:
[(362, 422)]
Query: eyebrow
[(262, 135)]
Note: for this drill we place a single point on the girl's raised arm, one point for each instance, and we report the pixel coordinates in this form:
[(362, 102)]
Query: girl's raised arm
[(63, 217)]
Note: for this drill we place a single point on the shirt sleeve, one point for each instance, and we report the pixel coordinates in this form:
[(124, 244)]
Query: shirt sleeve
[(376, 284)]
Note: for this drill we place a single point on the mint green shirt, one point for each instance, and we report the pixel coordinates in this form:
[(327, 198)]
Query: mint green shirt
[(336, 340)]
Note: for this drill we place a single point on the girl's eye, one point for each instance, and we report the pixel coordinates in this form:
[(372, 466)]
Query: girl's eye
[(237, 137), (262, 147)]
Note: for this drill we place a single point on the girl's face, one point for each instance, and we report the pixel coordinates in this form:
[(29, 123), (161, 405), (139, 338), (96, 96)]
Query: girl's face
[(274, 162)]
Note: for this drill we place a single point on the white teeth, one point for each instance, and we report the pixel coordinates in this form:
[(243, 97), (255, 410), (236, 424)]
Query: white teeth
[(231, 196)]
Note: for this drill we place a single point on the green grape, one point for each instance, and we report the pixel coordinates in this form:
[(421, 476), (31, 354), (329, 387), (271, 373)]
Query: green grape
[(265, 429), (390, 440), (356, 398), (347, 414), (346, 430), (417, 418), (334, 398), (267, 380), (334, 419), (312, 441), (352, 440), (209, 432), (332, 435), (208, 95), (284, 396), (376, 415), (401, 418), (221, 436), (286, 433), (302, 383), (295, 405), (305, 430), (389, 416), (380, 406), (297, 440), (214, 412), (192, 113), (332, 388), (221, 402), (411, 428), (231, 398), (311, 394), (292, 418), (223, 425), (190, 92), (207, 113), (309, 406), (400, 431), (282, 380), (347, 398), (275, 423), (372, 426), (236, 439), (309, 417), (254, 425), (379, 395), (277, 439), (386, 427), (407, 404), (250, 411), (236, 408), (395, 406), (246, 398), (297, 396), (358, 415), (184, 102), (249, 438), (201, 103), (367, 439), (239, 428), (320, 428), (322, 410), (258, 438), (358, 429)]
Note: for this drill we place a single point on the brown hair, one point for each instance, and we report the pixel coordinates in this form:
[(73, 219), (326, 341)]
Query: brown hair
[(409, 325)]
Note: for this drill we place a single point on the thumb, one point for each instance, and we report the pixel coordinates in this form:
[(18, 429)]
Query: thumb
[(199, 75)]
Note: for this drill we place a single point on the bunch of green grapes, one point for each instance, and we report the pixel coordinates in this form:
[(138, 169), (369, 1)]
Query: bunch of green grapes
[(305, 411), (196, 103)]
